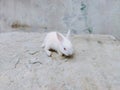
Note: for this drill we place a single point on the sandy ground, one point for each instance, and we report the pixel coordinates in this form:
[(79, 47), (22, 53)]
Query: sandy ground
[(25, 66)]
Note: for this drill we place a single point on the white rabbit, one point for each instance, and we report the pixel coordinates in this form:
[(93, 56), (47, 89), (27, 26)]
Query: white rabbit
[(56, 41)]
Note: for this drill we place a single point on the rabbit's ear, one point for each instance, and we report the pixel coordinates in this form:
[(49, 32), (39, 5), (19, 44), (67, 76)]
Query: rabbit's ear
[(68, 33), (60, 38)]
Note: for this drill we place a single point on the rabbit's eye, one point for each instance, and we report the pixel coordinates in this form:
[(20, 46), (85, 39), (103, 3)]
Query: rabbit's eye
[(64, 48)]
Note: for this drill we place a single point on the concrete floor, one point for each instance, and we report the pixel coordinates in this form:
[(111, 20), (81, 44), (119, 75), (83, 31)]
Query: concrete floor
[(25, 66)]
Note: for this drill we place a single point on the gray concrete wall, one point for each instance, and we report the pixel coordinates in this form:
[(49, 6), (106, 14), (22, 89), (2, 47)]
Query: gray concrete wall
[(104, 16), (81, 16)]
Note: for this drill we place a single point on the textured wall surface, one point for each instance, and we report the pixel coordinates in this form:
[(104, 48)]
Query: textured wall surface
[(81, 16)]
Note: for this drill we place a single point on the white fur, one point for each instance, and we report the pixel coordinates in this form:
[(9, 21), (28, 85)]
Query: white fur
[(57, 42)]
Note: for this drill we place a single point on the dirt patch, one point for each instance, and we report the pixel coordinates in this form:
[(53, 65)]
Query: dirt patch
[(19, 25)]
